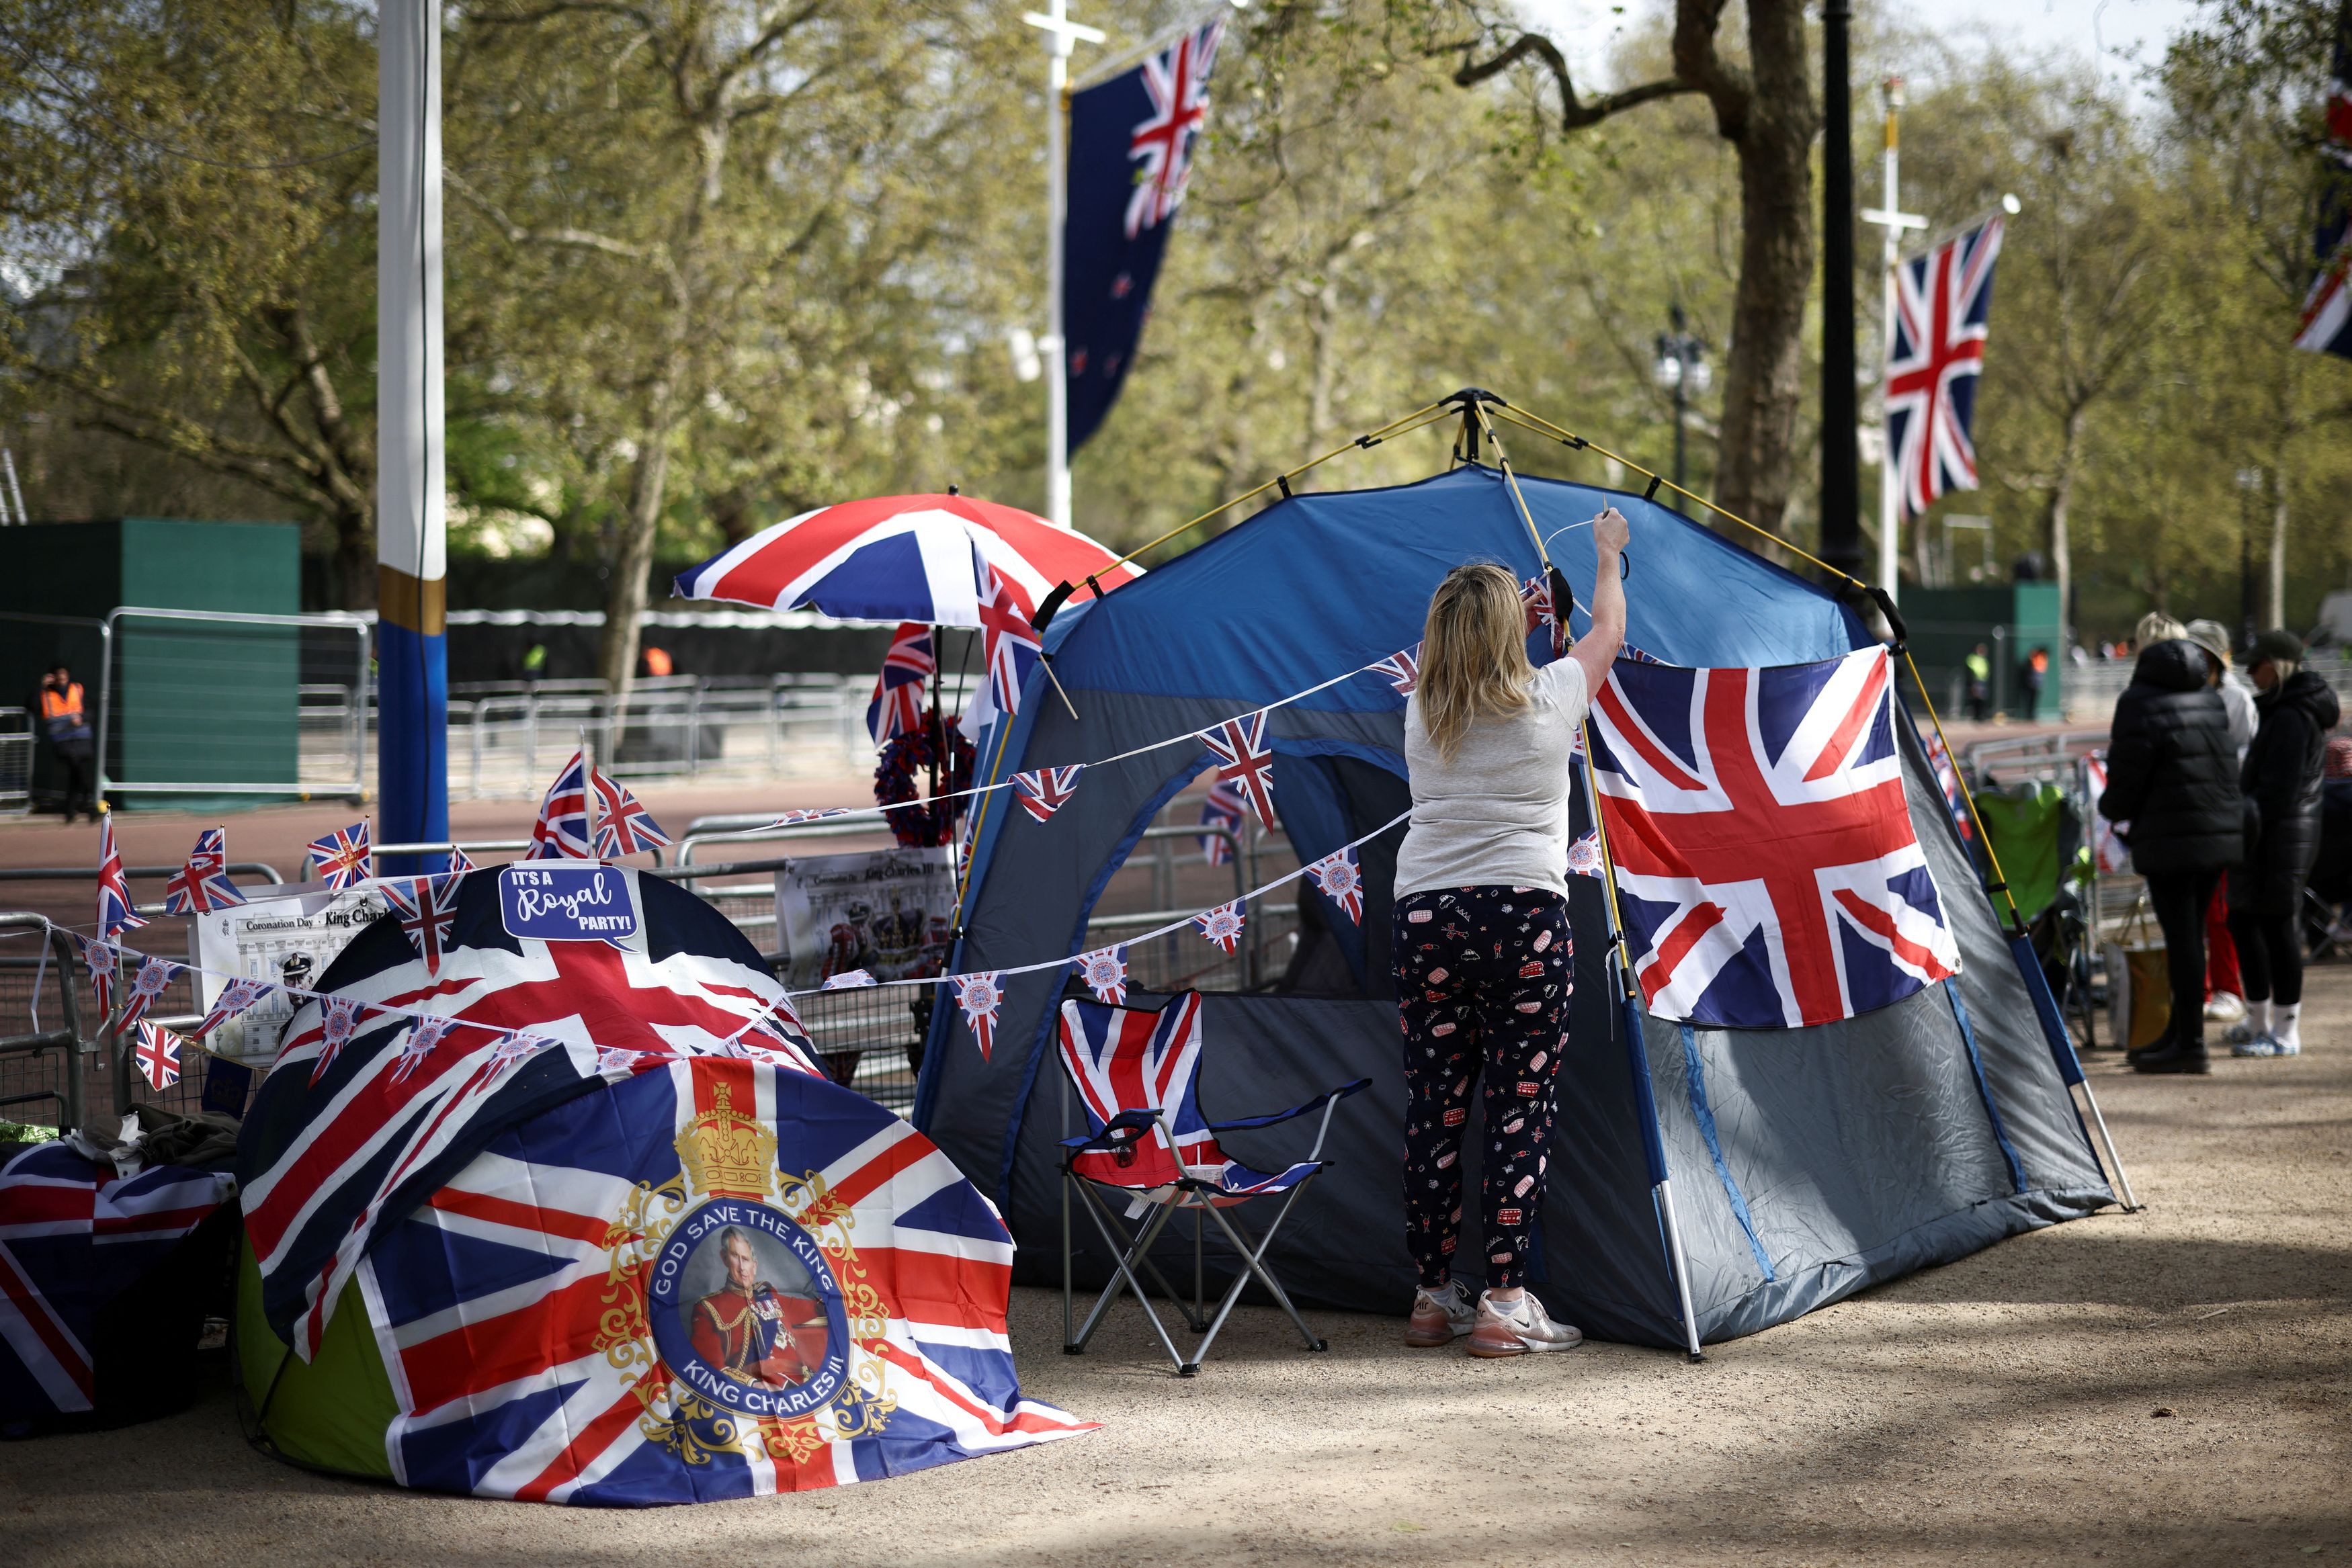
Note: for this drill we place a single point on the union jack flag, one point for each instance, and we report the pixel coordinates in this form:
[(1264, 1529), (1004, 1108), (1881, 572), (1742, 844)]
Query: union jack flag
[(1223, 809), (981, 997), (460, 863), (1246, 761), (623, 826), (236, 998), (156, 976), (1009, 643), (1342, 881), (1046, 790), (561, 831), (898, 706), (1537, 596), (1403, 669), (2326, 323), (74, 1235), (341, 857), (1943, 303), (426, 907), (1103, 972), (1177, 82), (1222, 926), (115, 914), (157, 1056), (202, 885), (1766, 864), (339, 1151)]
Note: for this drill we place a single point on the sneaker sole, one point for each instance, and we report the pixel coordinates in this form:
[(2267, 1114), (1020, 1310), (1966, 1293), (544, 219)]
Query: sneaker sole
[(1426, 1341), (1521, 1348)]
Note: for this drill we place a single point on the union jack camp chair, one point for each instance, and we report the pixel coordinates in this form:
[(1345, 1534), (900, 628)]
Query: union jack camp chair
[(1137, 1078)]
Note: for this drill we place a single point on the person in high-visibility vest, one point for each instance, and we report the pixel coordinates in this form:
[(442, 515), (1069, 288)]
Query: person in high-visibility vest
[(67, 725)]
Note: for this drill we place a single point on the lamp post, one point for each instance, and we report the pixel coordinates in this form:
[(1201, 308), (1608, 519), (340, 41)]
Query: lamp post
[(1682, 369)]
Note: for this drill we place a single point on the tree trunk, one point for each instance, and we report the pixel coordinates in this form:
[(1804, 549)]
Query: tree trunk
[(1763, 380), (2278, 548), (352, 577), (633, 556)]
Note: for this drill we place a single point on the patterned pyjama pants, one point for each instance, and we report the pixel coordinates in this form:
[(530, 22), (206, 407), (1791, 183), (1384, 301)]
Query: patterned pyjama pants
[(1483, 977)]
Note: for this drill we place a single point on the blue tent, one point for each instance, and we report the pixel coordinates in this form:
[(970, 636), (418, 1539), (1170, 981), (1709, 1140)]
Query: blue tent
[(1807, 1163)]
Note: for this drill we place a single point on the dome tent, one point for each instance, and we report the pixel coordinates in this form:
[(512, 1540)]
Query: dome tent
[(620, 1245), (1808, 1163)]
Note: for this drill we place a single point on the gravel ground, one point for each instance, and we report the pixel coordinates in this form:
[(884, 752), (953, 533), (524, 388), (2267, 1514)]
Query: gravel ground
[(2173, 1386)]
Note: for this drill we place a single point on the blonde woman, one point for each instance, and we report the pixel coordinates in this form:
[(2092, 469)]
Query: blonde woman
[(1484, 953)]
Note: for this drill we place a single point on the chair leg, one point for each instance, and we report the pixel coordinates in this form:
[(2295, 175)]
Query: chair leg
[(1125, 1277), (1253, 1258)]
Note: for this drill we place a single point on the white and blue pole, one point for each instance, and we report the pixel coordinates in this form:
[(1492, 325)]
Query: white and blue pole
[(411, 526)]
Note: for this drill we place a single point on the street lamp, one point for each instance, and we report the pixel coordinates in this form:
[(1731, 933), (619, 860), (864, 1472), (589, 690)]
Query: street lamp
[(1682, 369)]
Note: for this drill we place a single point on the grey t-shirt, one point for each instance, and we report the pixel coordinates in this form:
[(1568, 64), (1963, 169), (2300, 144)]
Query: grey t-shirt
[(1496, 816)]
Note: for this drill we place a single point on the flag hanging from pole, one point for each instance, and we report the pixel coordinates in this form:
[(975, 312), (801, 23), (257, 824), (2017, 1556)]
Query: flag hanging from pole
[(1943, 302), (1132, 144), (2326, 324)]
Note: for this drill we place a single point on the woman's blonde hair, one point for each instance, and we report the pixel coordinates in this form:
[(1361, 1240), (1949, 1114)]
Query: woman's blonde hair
[(1473, 653), (2156, 627)]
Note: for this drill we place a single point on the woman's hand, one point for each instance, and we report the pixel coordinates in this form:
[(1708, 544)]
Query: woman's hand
[(1597, 649), (1611, 533)]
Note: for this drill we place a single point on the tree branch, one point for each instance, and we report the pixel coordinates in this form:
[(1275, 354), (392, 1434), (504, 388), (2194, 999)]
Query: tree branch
[(1575, 112)]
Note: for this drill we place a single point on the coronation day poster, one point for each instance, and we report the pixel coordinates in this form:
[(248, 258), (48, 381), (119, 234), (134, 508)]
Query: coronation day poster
[(283, 941), (886, 912)]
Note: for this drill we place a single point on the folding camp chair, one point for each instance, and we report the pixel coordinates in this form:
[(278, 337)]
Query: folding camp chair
[(1138, 1076)]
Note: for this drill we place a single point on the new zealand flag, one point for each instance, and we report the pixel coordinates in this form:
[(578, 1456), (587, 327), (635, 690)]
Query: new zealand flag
[(1131, 141)]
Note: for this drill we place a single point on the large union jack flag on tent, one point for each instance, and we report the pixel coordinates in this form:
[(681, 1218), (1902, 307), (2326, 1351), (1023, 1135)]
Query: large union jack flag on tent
[(566, 1332), (1766, 862), (1943, 303), (898, 706)]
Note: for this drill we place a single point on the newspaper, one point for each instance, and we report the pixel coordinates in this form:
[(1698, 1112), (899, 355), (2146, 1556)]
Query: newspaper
[(287, 941), (886, 912)]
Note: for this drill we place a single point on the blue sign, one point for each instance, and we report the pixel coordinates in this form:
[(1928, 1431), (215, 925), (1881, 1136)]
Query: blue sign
[(548, 901)]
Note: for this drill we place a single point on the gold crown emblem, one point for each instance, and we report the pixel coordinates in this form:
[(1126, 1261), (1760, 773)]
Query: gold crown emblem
[(725, 1153)]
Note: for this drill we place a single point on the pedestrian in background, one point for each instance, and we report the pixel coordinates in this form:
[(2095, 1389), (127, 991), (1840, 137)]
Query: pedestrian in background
[(65, 725), (2281, 781), (2225, 984), (2172, 776), (1980, 668)]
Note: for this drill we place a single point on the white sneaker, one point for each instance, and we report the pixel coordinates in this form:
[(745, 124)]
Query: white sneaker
[(1522, 1327), (1440, 1317), (2243, 1044), (2224, 1007)]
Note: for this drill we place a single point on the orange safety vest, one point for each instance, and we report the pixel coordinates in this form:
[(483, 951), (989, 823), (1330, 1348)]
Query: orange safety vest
[(62, 715), (657, 662)]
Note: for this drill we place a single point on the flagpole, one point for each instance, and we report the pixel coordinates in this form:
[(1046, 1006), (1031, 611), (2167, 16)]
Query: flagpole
[(1060, 34), (1895, 221)]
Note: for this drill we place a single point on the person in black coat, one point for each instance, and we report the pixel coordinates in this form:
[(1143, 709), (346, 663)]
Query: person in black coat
[(2282, 783), (2172, 775)]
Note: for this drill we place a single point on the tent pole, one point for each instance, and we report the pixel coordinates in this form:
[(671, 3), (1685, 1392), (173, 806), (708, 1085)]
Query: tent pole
[(2131, 1204), (1665, 1190)]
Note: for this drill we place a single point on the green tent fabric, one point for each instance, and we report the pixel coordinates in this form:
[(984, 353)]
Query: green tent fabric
[(2027, 825), (331, 1412)]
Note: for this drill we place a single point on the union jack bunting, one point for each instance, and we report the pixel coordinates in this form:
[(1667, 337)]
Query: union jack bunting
[(156, 976), (1046, 790), (425, 1036), (460, 863), (876, 1343), (1223, 809), (1103, 972), (811, 815), (623, 826), (1008, 642), (1403, 669), (1766, 864), (338, 1022), (74, 1235), (105, 964), (980, 996), (847, 980), (1584, 855), (1948, 779), (1943, 301), (898, 706), (426, 907), (1246, 761), (115, 914), (157, 1056), (1342, 881), (202, 885), (236, 998), (1222, 926), (561, 831), (337, 1153), (341, 857)]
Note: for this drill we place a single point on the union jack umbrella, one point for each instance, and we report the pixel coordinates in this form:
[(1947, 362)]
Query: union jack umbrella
[(157, 1056), (898, 706), (1246, 761), (1046, 790), (1223, 809), (1767, 867), (623, 826), (1943, 302), (426, 907), (1104, 971), (1009, 644), (156, 976), (115, 914), (236, 998), (341, 857), (902, 558), (1403, 669), (1342, 881), (980, 996), (1222, 926), (202, 885), (561, 831)]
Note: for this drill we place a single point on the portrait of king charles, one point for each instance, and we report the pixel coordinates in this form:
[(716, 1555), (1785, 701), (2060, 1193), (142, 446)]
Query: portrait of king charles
[(751, 1330)]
